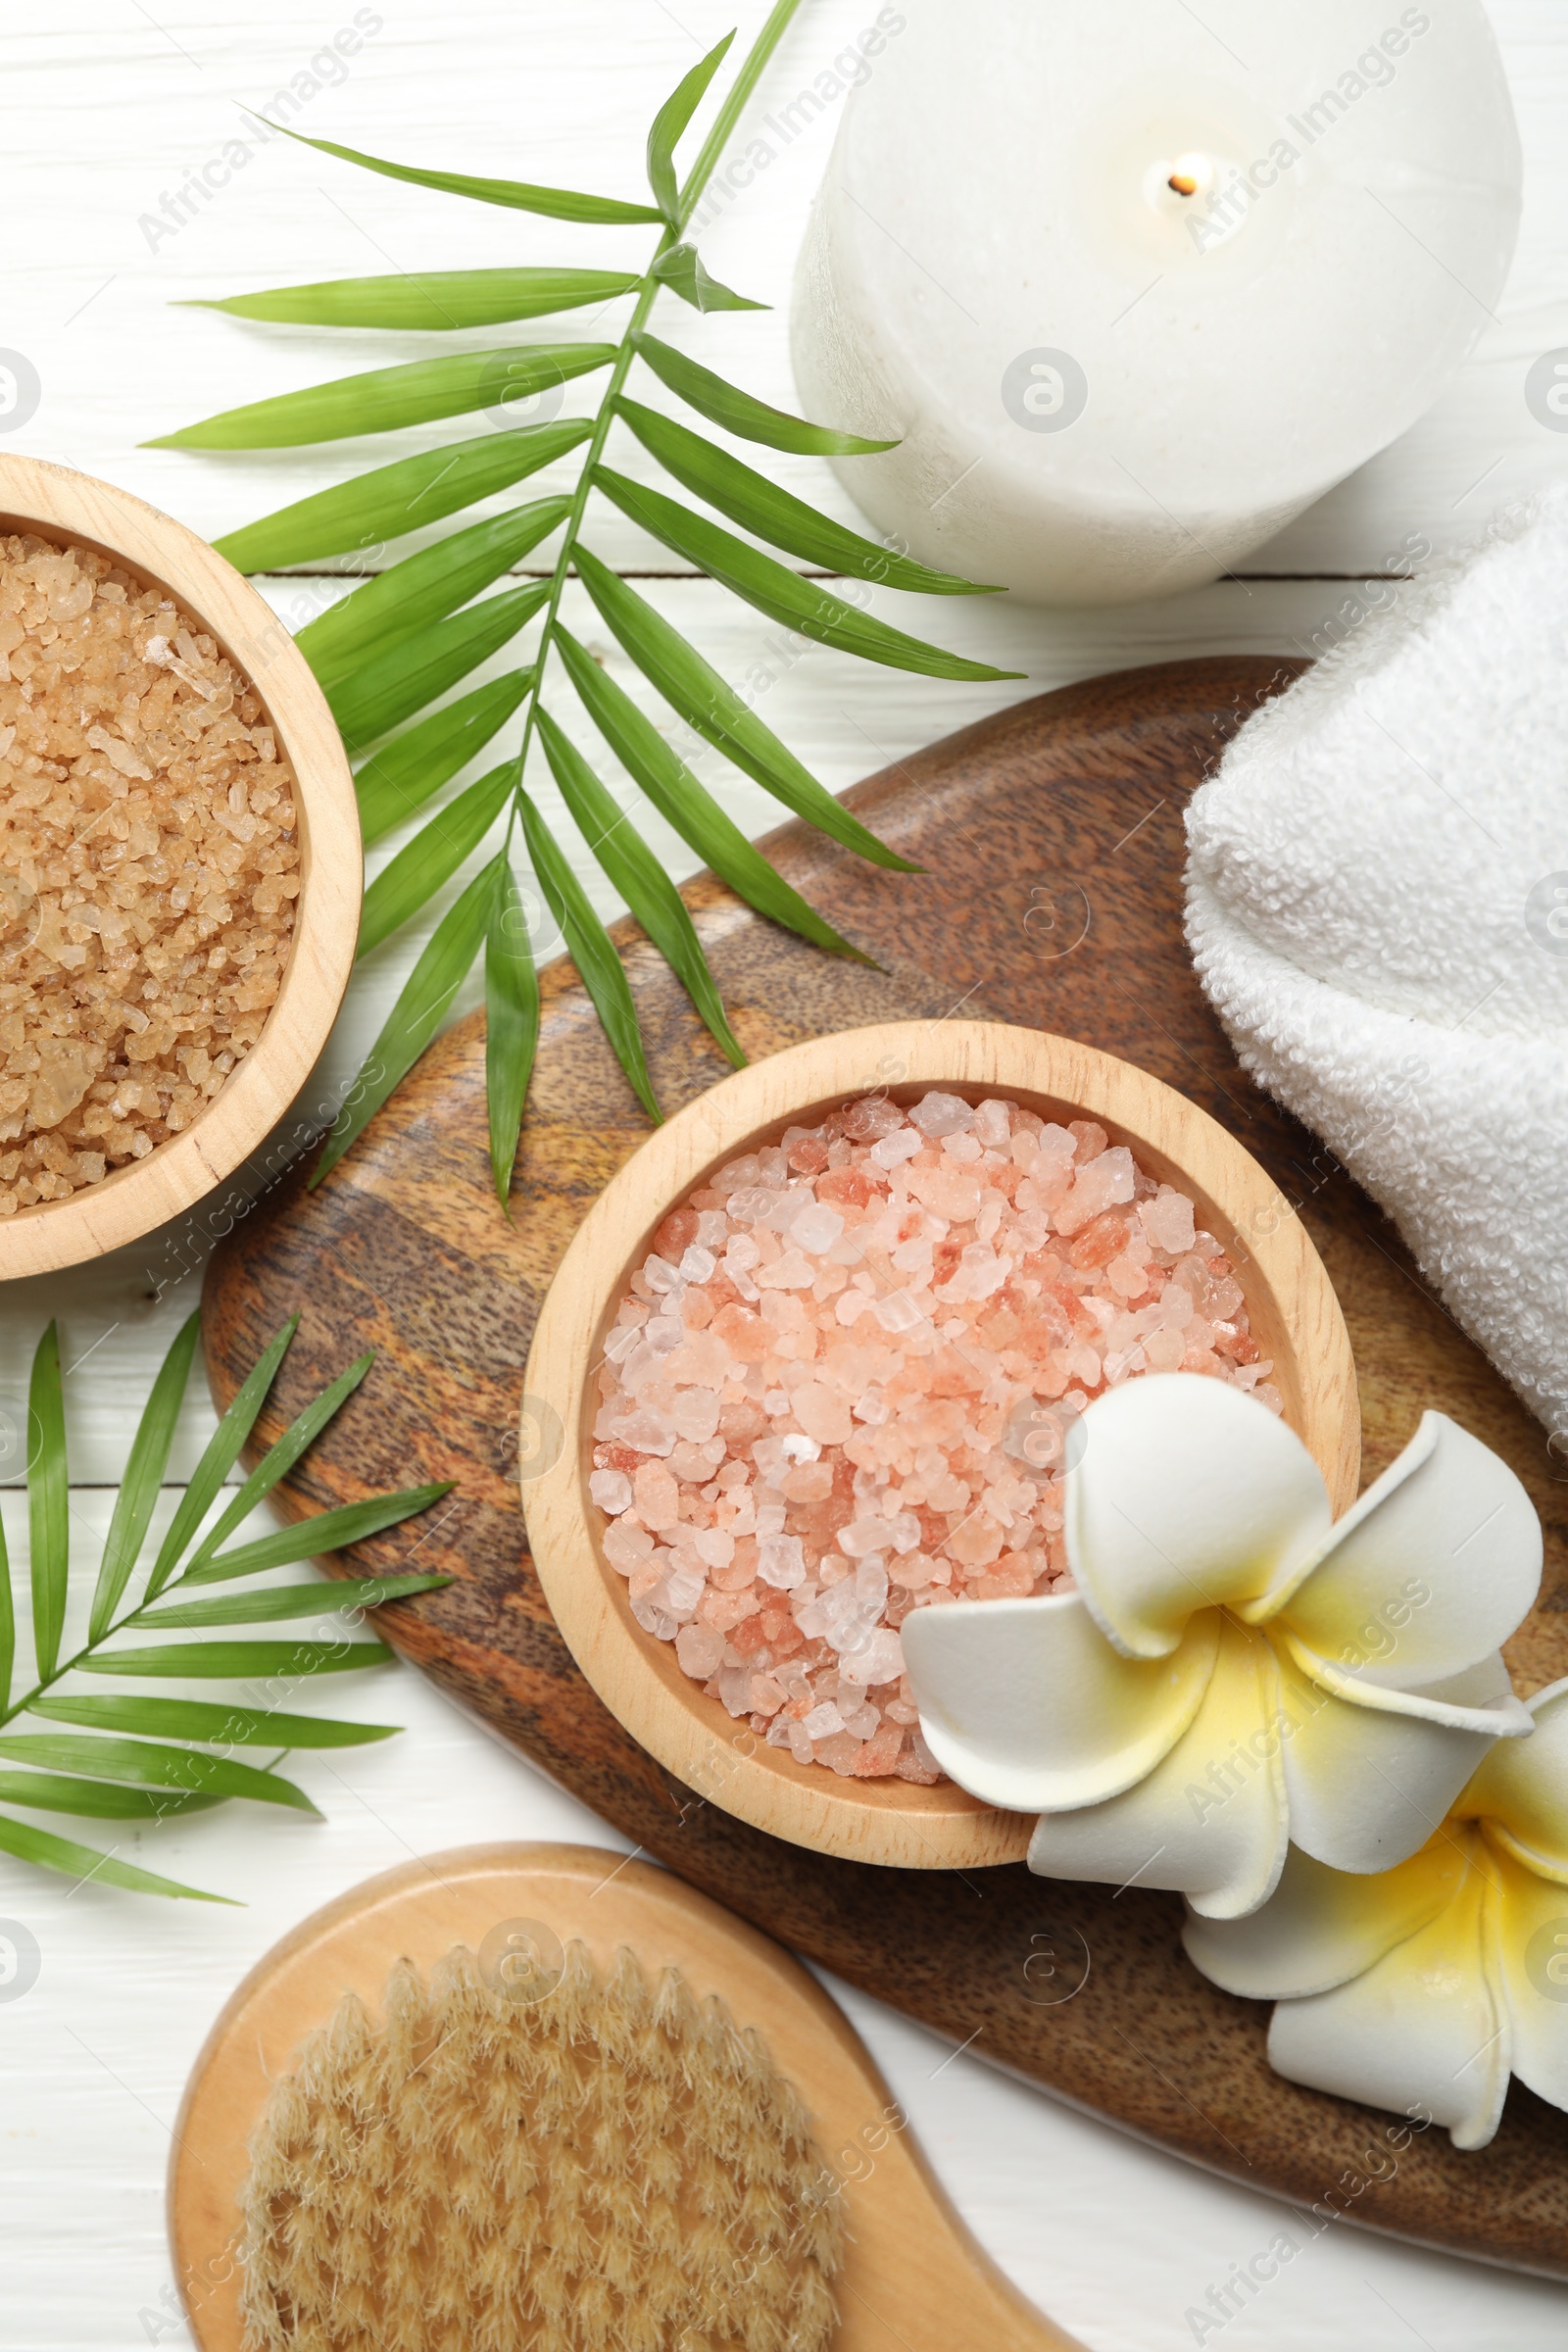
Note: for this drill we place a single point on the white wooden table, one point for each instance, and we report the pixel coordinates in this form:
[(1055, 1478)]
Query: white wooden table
[(110, 106)]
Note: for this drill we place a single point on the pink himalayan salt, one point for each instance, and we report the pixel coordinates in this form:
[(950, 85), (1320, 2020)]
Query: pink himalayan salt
[(843, 1384)]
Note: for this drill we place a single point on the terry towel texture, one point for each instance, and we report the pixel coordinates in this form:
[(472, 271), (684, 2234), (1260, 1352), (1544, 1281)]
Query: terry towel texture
[(1378, 908)]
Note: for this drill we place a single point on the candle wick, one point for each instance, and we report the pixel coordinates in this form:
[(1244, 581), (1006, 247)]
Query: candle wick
[(1181, 183)]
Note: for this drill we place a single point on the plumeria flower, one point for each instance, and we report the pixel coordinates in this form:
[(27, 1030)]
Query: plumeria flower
[(1424, 1988), (1234, 1671)]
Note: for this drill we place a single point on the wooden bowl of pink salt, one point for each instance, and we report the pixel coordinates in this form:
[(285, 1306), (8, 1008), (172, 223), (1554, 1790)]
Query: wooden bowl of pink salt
[(817, 1357), (179, 868)]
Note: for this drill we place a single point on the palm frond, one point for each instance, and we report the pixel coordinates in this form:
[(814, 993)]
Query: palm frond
[(412, 633), (145, 1756)]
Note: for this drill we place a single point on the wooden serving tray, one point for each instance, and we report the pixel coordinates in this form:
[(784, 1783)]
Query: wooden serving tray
[(1053, 842)]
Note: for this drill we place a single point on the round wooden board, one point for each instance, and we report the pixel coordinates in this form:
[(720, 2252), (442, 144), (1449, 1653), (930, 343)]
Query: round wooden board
[(1051, 839), (912, 2274)]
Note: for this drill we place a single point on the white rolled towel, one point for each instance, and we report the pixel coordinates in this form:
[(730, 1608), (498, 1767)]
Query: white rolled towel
[(1378, 907)]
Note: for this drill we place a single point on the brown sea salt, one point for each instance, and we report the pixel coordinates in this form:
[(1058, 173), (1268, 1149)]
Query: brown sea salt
[(149, 864), (843, 1386)]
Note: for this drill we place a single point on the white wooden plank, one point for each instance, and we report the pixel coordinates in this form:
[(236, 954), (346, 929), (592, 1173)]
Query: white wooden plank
[(120, 113)]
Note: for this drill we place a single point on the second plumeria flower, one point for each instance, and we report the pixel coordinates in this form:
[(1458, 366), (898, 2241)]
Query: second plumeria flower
[(1233, 1670)]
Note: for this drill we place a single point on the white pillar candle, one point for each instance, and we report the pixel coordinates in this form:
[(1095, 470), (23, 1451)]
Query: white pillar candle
[(1136, 283)]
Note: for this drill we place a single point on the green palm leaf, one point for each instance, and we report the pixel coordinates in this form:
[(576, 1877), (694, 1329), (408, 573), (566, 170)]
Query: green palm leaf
[(740, 413), (682, 803), (558, 204), (381, 696), (144, 1476), (406, 772), (437, 299), (634, 871), (404, 497), (279, 1459), (221, 1452), (425, 588), (671, 120), (711, 707), (681, 271), (590, 947), (8, 1623), (141, 1764), (205, 1719), (388, 398), (512, 1025), (758, 504), (48, 1501), (416, 1015), (102, 1801), (239, 1661), (84, 1862), (309, 1538), (433, 855), (801, 604), (277, 1602)]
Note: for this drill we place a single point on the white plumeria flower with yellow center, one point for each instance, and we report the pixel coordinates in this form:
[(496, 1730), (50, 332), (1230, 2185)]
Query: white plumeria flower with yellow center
[(1424, 1988), (1234, 1671)]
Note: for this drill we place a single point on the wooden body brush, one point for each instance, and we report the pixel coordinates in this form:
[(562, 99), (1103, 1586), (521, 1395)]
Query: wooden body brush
[(730, 2176)]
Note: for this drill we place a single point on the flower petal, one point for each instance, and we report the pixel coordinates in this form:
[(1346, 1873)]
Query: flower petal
[(1532, 1942), (1521, 1791), (1025, 1703), (1422, 2032), (1189, 1494), (1369, 1773), (1321, 1927), (1209, 1819), (1433, 1568)]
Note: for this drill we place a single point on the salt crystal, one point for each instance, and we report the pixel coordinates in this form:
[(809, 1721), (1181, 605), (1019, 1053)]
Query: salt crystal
[(780, 1562), (645, 1431), (750, 1206), (942, 1114), (656, 1496), (697, 1264), (794, 1271), (823, 1413), (816, 1227), (822, 1721), (699, 1651), (863, 1536), (894, 1149), (628, 1548), (695, 1414), (611, 1490), (878, 1657), (1169, 1222), (872, 1117)]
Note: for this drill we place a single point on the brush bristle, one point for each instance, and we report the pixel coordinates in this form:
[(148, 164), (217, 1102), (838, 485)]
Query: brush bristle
[(611, 2168)]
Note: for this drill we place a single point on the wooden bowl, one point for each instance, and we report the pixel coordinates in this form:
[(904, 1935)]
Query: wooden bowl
[(1295, 1316), (135, 1199)]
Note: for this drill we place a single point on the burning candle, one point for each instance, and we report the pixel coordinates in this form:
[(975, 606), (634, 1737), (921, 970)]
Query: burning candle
[(1136, 287)]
